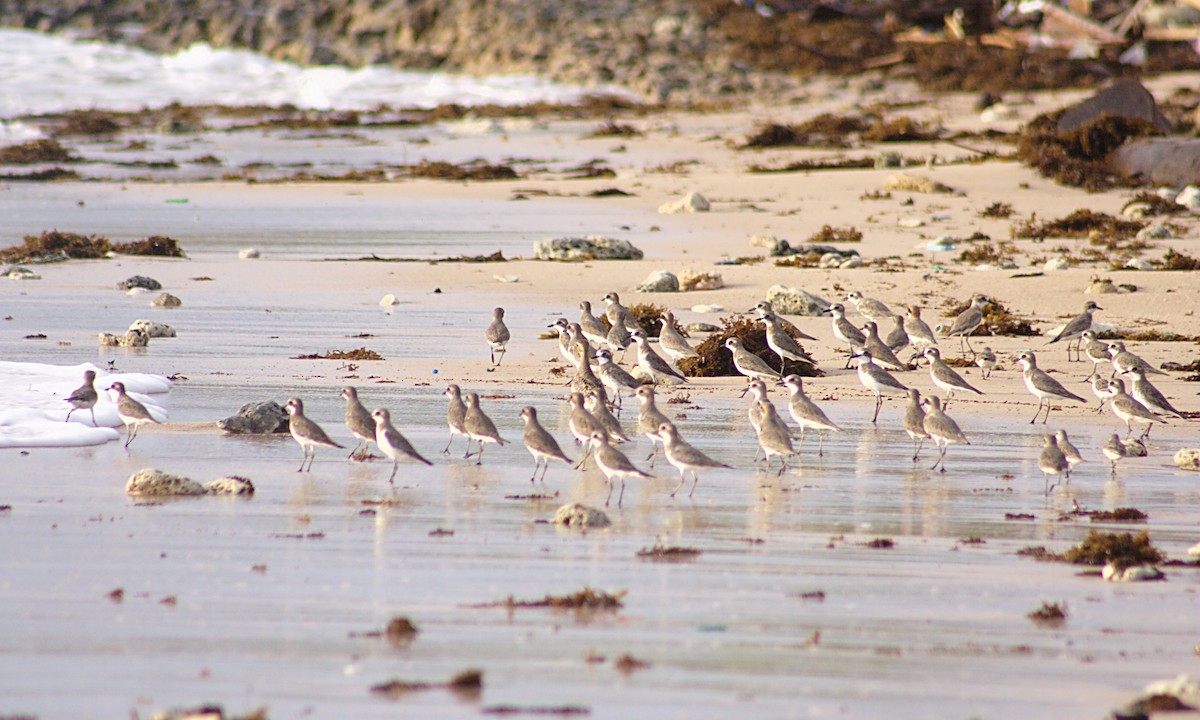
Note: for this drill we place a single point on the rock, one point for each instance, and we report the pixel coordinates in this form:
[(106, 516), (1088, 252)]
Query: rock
[(693, 202), (907, 182), (248, 254), (763, 241), (1124, 98), (997, 113), (1056, 264), (581, 516), (1189, 197), (1135, 447), (911, 222), (1188, 458), (707, 309), (830, 260), (701, 327), (1162, 161), (20, 273), (166, 300), (506, 278), (782, 248), (389, 300), (156, 483), (259, 418), (1101, 287), (659, 281), (139, 281), (794, 301), (701, 281), (153, 329), (853, 261), (1138, 264), (1137, 211), (134, 337), (1194, 551), (229, 485), (885, 159), (1184, 687), (592, 247), (1157, 231), (1135, 573)]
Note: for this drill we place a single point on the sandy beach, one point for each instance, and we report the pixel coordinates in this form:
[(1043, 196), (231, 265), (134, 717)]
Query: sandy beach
[(270, 591)]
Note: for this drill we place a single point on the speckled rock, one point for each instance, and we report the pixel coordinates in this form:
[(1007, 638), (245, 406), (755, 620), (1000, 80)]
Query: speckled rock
[(1188, 458), (581, 516), (153, 329), (139, 281), (166, 300), (229, 485), (693, 202), (156, 483), (659, 281), (591, 247), (794, 301), (257, 418)]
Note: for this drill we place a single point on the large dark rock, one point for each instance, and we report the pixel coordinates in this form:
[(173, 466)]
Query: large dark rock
[(1125, 98), (258, 418), (1160, 161)]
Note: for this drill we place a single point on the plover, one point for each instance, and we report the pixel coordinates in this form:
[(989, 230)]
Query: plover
[(1045, 388), (845, 331), (879, 350), (614, 376), (684, 456), (1127, 409), (749, 364), (132, 413), (582, 425), (806, 413), (914, 421), (942, 429), (1075, 327), (1069, 451), (765, 308), (1124, 360), (758, 393), (1114, 450), (618, 338), (392, 443), (919, 332), (1051, 461), (497, 335), (455, 414), (359, 420), (782, 344), (305, 432), (566, 341), (897, 337), (1144, 392), (598, 407), (618, 314), (480, 428), (84, 396), (585, 381), (986, 360), (871, 309), (1102, 389), (1095, 350), (672, 343), (773, 435), (967, 322), (651, 363), (945, 377), (590, 325), (649, 418), (877, 380), (540, 444), (613, 463)]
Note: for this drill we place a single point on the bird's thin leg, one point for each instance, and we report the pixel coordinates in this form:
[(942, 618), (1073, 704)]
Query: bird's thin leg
[(1036, 412), (682, 477), (917, 452), (621, 497), (392, 477), (878, 404), (479, 455)]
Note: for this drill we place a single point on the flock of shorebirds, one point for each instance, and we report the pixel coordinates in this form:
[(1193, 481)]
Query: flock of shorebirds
[(597, 391)]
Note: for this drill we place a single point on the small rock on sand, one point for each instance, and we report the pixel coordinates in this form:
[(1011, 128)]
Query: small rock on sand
[(153, 329), (20, 273), (1056, 264), (701, 281), (132, 338), (229, 485), (249, 254), (907, 182), (388, 300), (152, 482), (659, 281), (592, 247), (166, 300), (693, 202), (1188, 458), (581, 516), (794, 301), (139, 281), (257, 418), (1189, 197), (1135, 573), (701, 327), (1101, 287)]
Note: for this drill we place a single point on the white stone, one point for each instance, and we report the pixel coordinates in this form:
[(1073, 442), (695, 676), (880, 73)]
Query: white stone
[(1101, 287), (707, 309), (151, 482), (659, 281), (763, 241), (693, 202), (506, 278), (389, 300), (997, 113), (1136, 211), (852, 262), (1138, 264), (910, 222), (21, 273), (581, 516), (1189, 197), (1157, 231), (229, 485), (1194, 550), (1136, 573), (1184, 687), (1188, 458), (153, 329), (248, 254), (1056, 264)]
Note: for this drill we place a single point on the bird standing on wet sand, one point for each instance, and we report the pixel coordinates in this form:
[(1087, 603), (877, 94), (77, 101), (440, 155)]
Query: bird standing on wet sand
[(1123, 360), (1069, 451), (84, 396), (598, 407), (986, 360), (1114, 450), (651, 363), (585, 381), (672, 343), (966, 323), (1095, 350), (304, 431), (132, 413), (618, 314), (945, 376), (897, 337), (806, 413), (774, 437), (1102, 389), (919, 332), (613, 463), (1043, 387), (1051, 461), (480, 428), (914, 421), (566, 340), (877, 380), (1075, 327), (360, 422), (942, 428), (1127, 409), (684, 456), (1144, 392), (845, 331), (497, 335), (582, 425), (749, 364), (649, 419), (782, 344), (879, 350), (614, 376), (590, 325), (455, 414), (392, 443), (540, 444)]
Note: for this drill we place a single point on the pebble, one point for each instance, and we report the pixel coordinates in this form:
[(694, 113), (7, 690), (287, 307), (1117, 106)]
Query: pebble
[(1136, 573), (911, 222), (153, 329), (707, 309), (907, 182), (764, 241), (1056, 264), (701, 281), (1101, 287), (1189, 197), (248, 254), (701, 327), (166, 300), (506, 278), (149, 481), (693, 202), (139, 281), (1138, 264), (1157, 231), (659, 281), (389, 300), (1188, 458)]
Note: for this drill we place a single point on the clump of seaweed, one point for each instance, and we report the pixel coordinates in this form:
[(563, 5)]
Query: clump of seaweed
[(36, 151), (825, 130), (629, 664), (155, 246), (88, 122), (54, 246), (988, 253), (1079, 157), (880, 544), (649, 317), (1120, 515), (465, 171), (668, 553), (999, 210), (361, 353), (715, 360), (808, 165), (1179, 261), (612, 128), (901, 129), (1050, 613), (997, 320), (1122, 550), (828, 234), (53, 174), (1079, 224), (585, 599), (467, 681), (1155, 204)]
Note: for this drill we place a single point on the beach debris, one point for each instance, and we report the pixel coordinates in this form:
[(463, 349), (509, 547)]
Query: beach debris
[(153, 246), (1114, 572), (389, 300), (17, 272), (707, 309), (54, 246), (400, 630), (1175, 694), (880, 544), (477, 170), (997, 320), (1056, 264), (700, 327), (659, 281), (907, 182), (1187, 458), (230, 485), (36, 151), (764, 241), (714, 360), (629, 664), (1101, 286), (153, 329), (591, 247), (1120, 550), (1082, 223), (166, 300), (361, 353), (585, 599), (1126, 98), (581, 516), (1050, 614), (139, 281), (156, 483), (690, 281), (1129, 515), (206, 712), (542, 710), (795, 301), (693, 202), (249, 254), (1080, 157), (668, 553), (133, 338), (467, 682), (1189, 197), (506, 278), (256, 418)]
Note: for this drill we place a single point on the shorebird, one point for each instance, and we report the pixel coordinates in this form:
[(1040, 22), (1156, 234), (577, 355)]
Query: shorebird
[(1127, 409), (582, 425), (540, 444), (1051, 461), (877, 380), (765, 308), (919, 332), (613, 463), (942, 428), (590, 325), (1075, 327), (614, 376), (618, 314), (454, 417), (873, 310), (1148, 395), (598, 407), (651, 363), (986, 360), (304, 431), (879, 350), (1045, 388), (84, 396), (585, 381), (684, 457), (132, 413), (781, 343), (618, 338), (392, 443), (1069, 451), (359, 420), (1114, 450), (758, 393), (672, 343), (966, 323), (845, 331), (897, 337), (806, 413), (773, 435), (497, 335), (945, 377), (1102, 390), (1123, 360), (914, 421), (566, 341), (749, 364), (649, 419), (480, 428), (1095, 350)]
